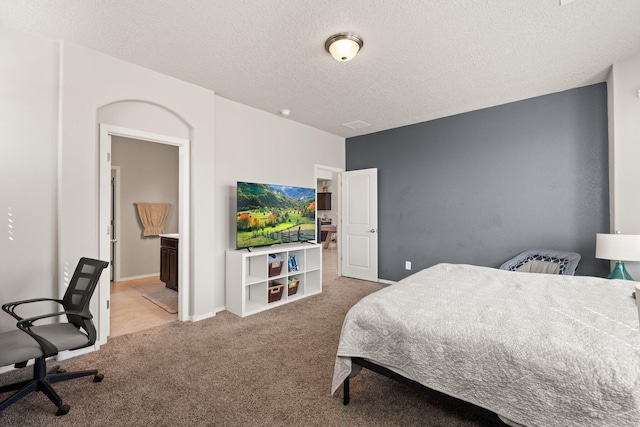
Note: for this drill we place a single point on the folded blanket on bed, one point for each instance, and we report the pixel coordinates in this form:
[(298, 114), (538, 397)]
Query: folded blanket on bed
[(540, 350)]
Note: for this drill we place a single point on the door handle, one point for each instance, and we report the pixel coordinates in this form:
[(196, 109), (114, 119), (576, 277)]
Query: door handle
[(373, 230)]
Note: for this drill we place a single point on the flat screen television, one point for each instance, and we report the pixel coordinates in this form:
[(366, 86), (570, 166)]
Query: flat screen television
[(269, 214)]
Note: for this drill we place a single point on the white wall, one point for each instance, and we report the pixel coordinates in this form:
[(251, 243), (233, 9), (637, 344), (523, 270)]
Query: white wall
[(91, 80), (51, 160), (256, 146), (624, 141), (51, 96), (28, 147)]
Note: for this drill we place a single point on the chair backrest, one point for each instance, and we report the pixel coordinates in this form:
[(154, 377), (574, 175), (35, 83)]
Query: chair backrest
[(78, 295), (544, 261)]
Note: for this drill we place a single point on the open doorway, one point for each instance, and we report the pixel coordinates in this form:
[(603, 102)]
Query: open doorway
[(328, 216), (142, 171), (107, 133)]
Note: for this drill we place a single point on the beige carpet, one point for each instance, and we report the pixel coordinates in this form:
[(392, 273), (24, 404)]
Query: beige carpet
[(269, 369), (165, 298)]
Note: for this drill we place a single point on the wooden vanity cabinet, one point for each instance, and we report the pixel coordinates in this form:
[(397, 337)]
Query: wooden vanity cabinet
[(169, 262)]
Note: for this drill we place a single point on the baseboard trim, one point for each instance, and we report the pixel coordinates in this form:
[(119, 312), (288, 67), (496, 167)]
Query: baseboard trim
[(201, 317), (9, 368), (387, 282), (71, 354), (144, 276)]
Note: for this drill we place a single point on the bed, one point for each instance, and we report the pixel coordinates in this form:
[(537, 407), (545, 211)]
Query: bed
[(535, 349)]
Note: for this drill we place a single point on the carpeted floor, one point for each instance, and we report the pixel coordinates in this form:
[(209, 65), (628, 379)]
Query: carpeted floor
[(269, 369)]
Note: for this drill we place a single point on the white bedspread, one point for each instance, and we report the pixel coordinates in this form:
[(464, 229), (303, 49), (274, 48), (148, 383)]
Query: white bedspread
[(540, 350)]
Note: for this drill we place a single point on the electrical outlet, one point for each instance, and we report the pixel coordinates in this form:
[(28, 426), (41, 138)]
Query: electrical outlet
[(407, 265)]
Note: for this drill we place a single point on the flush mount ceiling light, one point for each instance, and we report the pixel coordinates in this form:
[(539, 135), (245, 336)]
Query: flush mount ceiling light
[(344, 46)]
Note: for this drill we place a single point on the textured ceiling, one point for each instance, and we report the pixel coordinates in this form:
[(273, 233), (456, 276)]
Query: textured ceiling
[(421, 59)]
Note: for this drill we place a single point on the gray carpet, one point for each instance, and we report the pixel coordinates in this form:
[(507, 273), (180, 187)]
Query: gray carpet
[(269, 369), (165, 298)]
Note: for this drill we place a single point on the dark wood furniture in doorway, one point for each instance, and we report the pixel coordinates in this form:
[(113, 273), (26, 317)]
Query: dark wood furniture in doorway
[(169, 262)]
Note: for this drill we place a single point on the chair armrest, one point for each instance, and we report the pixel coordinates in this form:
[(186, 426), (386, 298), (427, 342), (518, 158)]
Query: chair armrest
[(10, 307), (47, 347)]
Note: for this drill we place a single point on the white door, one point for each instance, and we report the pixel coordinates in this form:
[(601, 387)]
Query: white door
[(105, 236), (360, 224), (114, 224)]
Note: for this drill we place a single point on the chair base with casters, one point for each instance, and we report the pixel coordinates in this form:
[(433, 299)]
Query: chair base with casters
[(41, 342), (42, 381)]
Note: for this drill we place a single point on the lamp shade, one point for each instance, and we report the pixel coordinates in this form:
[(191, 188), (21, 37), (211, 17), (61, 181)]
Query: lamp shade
[(618, 247)]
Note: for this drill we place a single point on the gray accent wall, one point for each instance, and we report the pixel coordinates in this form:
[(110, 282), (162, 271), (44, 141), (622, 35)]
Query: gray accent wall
[(483, 186)]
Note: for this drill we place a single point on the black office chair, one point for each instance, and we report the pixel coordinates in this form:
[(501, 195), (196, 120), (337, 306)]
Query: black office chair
[(28, 341)]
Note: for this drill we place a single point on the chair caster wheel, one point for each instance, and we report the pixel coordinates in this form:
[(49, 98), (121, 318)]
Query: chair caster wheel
[(56, 370), (62, 410), (98, 378)]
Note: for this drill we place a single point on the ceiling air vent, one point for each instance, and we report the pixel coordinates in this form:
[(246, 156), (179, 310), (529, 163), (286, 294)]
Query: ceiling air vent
[(358, 124)]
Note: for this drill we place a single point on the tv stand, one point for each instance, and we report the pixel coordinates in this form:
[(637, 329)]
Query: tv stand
[(249, 283)]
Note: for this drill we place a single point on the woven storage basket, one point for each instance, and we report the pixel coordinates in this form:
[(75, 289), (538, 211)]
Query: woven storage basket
[(275, 267), (275, 291), (293, 286)]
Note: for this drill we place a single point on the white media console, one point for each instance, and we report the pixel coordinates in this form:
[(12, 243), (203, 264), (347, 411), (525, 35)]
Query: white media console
[(251, 284)]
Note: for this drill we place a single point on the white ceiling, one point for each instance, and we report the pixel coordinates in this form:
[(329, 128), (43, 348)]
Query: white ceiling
[(421, 59)]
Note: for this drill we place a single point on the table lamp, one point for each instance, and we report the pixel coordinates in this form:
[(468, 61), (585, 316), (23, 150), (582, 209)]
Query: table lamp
[(618, 247)]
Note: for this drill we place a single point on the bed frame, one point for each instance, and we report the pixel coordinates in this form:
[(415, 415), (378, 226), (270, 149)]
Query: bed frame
[(477, 410)]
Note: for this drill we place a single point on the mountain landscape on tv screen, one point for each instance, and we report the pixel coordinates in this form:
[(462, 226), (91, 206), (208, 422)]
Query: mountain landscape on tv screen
[(269, 214)]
